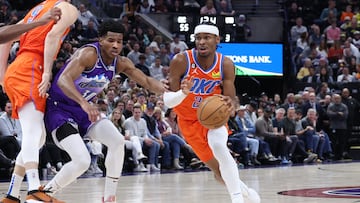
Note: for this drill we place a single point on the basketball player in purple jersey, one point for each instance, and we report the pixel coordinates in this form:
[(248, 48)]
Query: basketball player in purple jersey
[(70, 116)]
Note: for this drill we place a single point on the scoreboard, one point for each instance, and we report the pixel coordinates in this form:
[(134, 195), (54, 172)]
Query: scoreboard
[(185, 24)]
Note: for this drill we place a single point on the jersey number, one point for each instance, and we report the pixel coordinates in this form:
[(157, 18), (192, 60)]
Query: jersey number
[(88, 95), (197, 101)]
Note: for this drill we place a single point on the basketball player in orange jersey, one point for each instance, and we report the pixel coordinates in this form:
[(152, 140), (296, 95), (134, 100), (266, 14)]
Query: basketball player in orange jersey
[(26, 82), (207, 70)]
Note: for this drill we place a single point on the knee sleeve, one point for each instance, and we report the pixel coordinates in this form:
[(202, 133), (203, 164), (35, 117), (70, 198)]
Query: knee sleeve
[(65, 131)]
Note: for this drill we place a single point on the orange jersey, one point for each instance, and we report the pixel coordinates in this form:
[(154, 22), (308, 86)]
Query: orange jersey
[(33, 40), (206, 83), (25, 74)]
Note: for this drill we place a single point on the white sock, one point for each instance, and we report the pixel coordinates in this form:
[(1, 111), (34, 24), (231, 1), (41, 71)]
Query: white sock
[(32, 176), (217, 139), (110, 187), (15, 184)]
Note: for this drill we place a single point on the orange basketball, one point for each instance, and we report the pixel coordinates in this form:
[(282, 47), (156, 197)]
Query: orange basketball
[(213, 112)]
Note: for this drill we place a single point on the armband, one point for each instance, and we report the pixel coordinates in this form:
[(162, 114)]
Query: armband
[(172, 99)]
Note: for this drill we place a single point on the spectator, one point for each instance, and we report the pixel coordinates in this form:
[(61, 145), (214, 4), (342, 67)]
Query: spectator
[(159, 7), (129, 108), (154, 133), (345, 76), (135, 53), (155, 44), (353, 106), (312, 77), (4, 13), (324, 76), (265, 131), (76, 35), (327, 13), (175, 142), (150, 56), (338, 114), (347, 13), (90, 33), (289, 127), (323, 62), (10, 127), (143, 7), (85, 16), (190, 157), (242, 29), (332, 32), (335, 52), (177, 7), (247, 128), (302, 43), (293, 13), (138, 127), (289, 102), (142, 65), (208, 9), (225, 9), (131, 142), (177, 43), (305, 70), (156, 69), (287, 143), (164, 56), (297, 29), (307, 132), (322, 49), (316, 36)]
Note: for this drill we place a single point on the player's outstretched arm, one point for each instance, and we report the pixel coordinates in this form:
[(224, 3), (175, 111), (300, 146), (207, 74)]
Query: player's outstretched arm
[(180, 88), (12, 32), (53, 42), (127, 67)]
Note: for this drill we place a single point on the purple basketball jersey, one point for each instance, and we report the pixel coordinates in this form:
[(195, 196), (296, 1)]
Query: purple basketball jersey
[(61, 109)]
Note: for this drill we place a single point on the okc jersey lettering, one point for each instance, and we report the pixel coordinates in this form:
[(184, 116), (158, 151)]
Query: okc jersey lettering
[(203, 86), (206, 82)]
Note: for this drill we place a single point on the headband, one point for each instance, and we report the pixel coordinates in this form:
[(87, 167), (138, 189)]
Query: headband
[(206, 29)]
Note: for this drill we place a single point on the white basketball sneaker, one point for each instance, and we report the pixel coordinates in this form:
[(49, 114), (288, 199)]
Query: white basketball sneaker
[(252, 196)]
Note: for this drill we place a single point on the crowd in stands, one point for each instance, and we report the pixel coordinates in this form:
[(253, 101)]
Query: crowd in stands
[(325, 45), (310, 126)]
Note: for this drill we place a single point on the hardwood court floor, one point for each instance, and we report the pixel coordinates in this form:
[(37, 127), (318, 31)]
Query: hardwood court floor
[(200, 187)]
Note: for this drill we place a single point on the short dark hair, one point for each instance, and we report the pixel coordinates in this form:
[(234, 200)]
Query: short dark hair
[(111, 26)]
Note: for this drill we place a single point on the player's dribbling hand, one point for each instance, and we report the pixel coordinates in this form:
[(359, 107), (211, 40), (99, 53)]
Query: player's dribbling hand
[(229, 102), (44, 85), (186, 85), (52, 14), (91, 110)]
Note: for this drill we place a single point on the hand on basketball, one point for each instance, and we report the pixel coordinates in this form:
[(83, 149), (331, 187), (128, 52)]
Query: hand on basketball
[(186, 85), (53, 14)]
